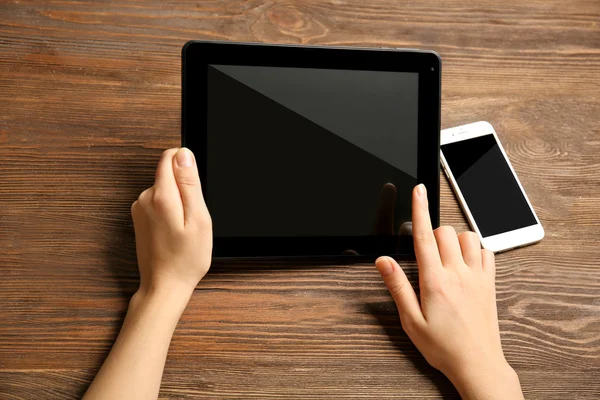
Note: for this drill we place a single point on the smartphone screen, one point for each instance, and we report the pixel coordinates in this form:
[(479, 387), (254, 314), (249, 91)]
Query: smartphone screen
[(488, 185)]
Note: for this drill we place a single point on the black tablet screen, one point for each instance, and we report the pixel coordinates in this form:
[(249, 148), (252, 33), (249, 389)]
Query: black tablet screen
[(307, 152)]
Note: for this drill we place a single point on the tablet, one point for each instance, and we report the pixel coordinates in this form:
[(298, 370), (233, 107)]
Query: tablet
[(307, 151)]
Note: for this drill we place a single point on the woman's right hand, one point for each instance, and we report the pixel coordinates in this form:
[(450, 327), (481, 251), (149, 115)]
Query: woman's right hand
[(455, 323)]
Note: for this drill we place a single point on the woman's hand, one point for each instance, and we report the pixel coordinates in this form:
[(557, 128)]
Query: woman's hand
[(173, 237), (173, 230), (455, 323)]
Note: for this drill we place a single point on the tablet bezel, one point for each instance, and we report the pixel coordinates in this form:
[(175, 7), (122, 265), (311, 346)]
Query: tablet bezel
[(197, 55)]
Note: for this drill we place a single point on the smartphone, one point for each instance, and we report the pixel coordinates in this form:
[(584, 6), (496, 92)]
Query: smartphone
[(487, 187)]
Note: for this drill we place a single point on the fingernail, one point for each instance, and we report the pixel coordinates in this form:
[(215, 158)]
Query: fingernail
[(421, 190), (384, 266), (184, 157)]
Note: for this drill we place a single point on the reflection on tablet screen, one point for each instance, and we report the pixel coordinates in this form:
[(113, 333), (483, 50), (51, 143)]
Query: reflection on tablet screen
[(308, 152)]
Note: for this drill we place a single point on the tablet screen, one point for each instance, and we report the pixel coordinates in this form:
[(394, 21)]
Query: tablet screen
[(308, 152)]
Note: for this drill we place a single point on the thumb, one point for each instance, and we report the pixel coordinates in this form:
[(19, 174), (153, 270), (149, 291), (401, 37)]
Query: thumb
[(188, 182), (400, 288)]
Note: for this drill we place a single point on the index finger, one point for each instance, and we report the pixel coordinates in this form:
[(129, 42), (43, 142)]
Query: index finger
[(426, 250)]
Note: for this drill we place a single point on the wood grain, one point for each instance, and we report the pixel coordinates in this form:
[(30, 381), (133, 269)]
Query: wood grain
[(89, 97)]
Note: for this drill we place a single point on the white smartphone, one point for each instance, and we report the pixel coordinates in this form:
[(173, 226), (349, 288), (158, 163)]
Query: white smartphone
[(487, 187)]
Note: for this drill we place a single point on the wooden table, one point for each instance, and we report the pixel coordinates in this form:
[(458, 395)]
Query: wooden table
[(90, 96)]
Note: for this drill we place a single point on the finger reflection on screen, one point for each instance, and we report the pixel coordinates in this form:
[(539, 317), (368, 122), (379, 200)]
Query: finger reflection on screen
[(384, 218)]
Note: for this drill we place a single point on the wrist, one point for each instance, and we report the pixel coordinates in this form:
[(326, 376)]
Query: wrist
[(165, 299), (492, 381)]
